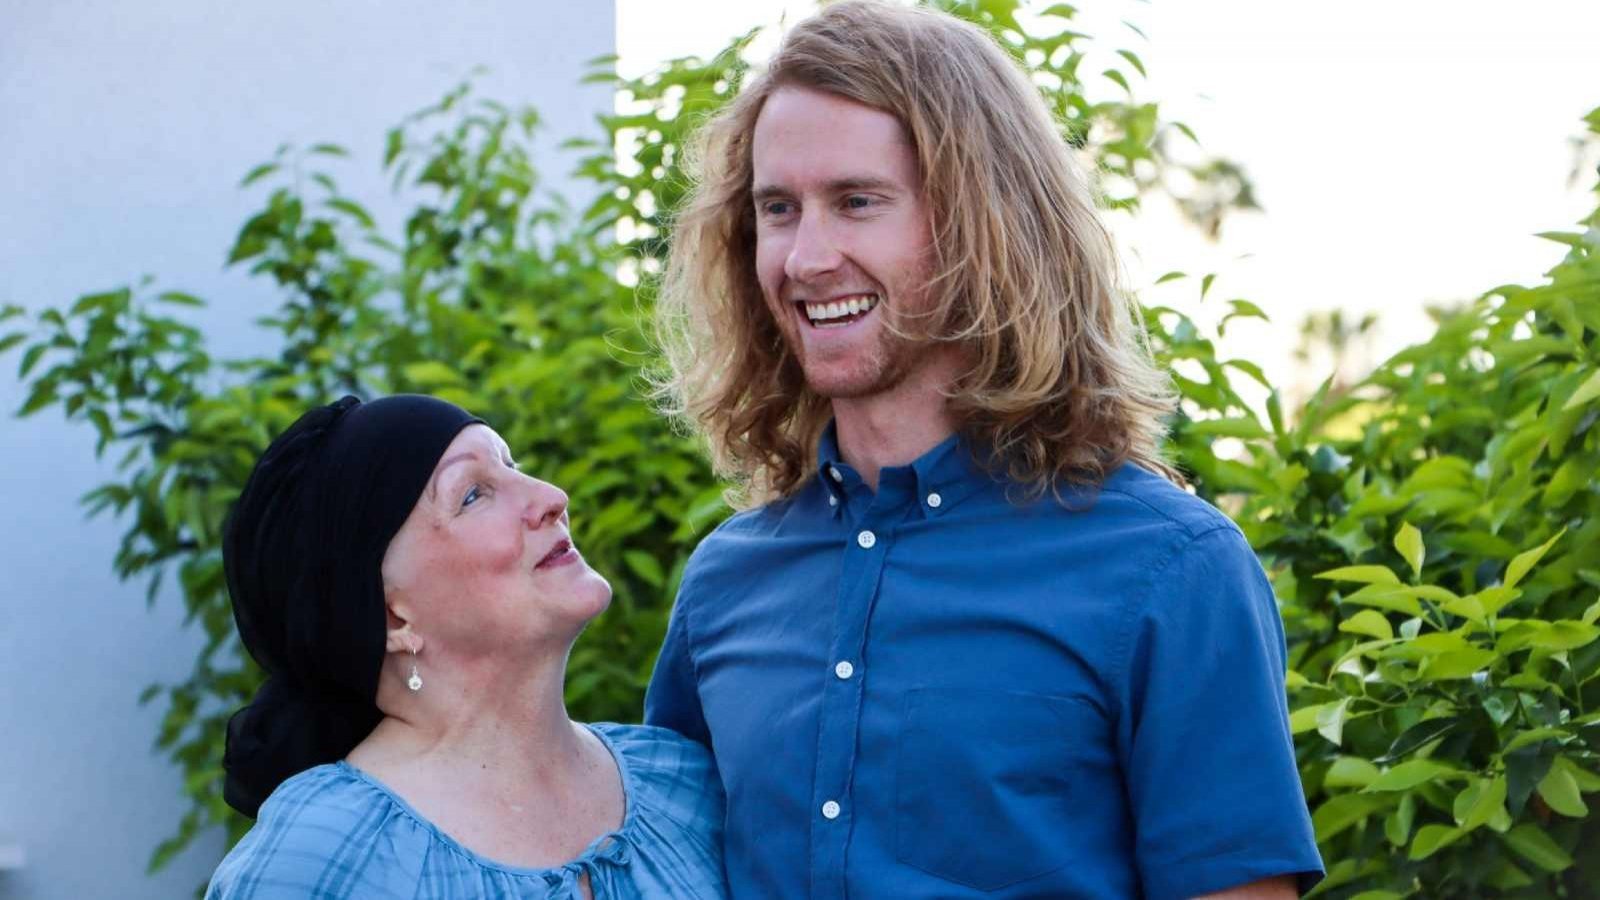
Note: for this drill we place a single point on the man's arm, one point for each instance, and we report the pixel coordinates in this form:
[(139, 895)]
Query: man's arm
[(673, 698), (1266, 889), (1204, 729)]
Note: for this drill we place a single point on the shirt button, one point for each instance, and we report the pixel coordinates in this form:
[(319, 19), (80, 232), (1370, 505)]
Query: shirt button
[(834, 474), (866, 539), (844, 670), (830, 810), (832, 500), (934, 500)]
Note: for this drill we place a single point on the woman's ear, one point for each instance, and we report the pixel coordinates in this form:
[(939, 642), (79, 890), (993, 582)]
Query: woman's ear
[(400, 639)]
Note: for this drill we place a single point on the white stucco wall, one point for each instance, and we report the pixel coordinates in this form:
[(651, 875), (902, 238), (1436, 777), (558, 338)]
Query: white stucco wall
[(124, 128)]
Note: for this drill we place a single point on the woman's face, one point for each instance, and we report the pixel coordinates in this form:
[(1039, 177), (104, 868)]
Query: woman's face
[(485, 560)]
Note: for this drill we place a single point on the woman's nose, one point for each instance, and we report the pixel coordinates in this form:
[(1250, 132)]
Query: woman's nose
[(546, 505)]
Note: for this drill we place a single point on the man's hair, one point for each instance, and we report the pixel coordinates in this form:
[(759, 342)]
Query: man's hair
[(1060, 388)]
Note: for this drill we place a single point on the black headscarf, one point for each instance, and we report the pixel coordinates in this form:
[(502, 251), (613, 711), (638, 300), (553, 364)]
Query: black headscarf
[(303, 550)]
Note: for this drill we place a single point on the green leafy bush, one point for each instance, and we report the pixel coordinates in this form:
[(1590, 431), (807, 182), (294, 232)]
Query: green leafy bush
[(1434, 538)]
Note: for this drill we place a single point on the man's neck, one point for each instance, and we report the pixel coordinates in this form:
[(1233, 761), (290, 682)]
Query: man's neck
[(891, 429)]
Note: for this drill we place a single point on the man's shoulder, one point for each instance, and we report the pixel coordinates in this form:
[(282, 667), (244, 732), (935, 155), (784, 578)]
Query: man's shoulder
[(1139, 495)]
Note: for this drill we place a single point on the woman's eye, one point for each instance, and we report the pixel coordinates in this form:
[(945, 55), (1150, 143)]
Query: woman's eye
[(474, 494), (776, 208)]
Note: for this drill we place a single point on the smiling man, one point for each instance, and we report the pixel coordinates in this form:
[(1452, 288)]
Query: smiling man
[(970, 638)]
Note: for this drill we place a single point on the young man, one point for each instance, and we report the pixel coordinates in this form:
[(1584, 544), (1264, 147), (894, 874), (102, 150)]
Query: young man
[(970, 639)]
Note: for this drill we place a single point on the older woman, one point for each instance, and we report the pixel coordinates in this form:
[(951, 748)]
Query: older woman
[(413, 598)]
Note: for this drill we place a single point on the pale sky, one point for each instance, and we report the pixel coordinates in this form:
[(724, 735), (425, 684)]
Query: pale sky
[(1405, 152)]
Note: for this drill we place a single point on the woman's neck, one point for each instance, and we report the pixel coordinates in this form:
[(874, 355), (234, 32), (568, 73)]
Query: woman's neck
[(493, 760), (499, 729)]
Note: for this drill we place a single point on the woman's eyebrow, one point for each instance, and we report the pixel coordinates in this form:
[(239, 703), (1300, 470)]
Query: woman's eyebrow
[(438, 474)]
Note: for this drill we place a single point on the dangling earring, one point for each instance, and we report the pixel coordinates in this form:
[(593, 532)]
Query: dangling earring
[(415, 681)]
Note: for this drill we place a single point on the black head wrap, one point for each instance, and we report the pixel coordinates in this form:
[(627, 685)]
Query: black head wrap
[(303, 551)]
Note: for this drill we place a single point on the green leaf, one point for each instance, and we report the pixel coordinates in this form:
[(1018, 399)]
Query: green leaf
[(1361, 575), (1331, 719), (329, 150), (1338, 813), (1130, 57), (645, 566), (1408, 775), (1305, 718), (1478, 802), (1171, 276), (1205, 284), (1119, 78), (1245, 427), (1408, 541), (1519, 566), (1350, 771), (1588, 782), (1432, 838), (258, 173), (11, 340), (1393, 597), (1565, 634), (1397, 825), (1244, 309), (1368, 622), (1533, 845), (432, 374), (1560, 792), (1586, 392), (1494, 599), (178, 298), (354, 210), (1424, 732), (1458, 664)]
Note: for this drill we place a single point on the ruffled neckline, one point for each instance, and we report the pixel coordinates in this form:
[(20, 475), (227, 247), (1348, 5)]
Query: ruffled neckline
[(612, 848)]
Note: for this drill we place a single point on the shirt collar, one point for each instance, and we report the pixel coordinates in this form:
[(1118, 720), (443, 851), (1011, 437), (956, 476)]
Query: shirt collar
[(939, 479)]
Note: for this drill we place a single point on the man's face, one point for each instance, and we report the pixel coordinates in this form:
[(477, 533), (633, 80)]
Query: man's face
[(842, 238)]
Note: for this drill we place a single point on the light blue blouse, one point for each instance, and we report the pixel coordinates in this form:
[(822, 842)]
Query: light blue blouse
[(334, 831)]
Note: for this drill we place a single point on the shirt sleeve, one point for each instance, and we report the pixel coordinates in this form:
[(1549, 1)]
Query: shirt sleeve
[(673, 698), (1204, 734)]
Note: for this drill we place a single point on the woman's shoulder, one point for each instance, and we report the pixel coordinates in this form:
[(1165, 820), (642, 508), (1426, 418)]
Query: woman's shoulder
[(312, 838), (669, 772), (655, 750)]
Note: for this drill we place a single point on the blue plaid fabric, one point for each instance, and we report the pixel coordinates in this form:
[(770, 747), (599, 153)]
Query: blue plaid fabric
[(333, 831)]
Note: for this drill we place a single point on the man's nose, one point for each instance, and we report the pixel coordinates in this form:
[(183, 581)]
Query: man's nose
[(815, 251)]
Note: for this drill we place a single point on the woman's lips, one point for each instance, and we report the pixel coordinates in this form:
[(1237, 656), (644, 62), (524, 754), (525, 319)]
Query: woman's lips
[(561, 554)]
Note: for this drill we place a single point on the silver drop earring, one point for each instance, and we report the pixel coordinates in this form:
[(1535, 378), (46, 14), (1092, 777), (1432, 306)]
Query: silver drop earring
[(415, 681)]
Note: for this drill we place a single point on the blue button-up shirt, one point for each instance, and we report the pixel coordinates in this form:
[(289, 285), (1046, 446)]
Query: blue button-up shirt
[(933, 691)]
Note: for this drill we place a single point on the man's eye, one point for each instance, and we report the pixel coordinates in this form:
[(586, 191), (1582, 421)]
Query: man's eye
[(473, 495), (856, 201), (776, 208)]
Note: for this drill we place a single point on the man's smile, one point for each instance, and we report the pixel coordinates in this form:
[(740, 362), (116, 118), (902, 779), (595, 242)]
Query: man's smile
[(839, 311)]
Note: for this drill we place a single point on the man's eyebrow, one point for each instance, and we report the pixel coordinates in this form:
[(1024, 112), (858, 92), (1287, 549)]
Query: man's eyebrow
[(764, 192), (433, 485)]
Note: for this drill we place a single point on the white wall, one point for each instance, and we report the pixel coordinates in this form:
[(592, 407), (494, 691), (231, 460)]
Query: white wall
[(124, 128)]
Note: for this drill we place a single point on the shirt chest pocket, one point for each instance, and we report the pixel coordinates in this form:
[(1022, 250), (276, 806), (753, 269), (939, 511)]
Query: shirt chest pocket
[(984, 783)]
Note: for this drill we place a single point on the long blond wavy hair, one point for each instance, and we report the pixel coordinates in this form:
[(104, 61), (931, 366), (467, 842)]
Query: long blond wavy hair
[(1060, 389)]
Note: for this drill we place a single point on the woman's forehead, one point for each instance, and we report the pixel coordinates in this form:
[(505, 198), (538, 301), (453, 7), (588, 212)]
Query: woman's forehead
[(477, 437)]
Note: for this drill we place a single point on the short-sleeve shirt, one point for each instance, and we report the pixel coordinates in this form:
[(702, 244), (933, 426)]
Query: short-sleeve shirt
[(939, 690), (335, 832)]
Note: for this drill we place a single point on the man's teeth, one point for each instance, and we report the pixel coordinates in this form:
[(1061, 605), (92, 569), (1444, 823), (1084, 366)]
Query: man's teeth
[(820, 313)]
